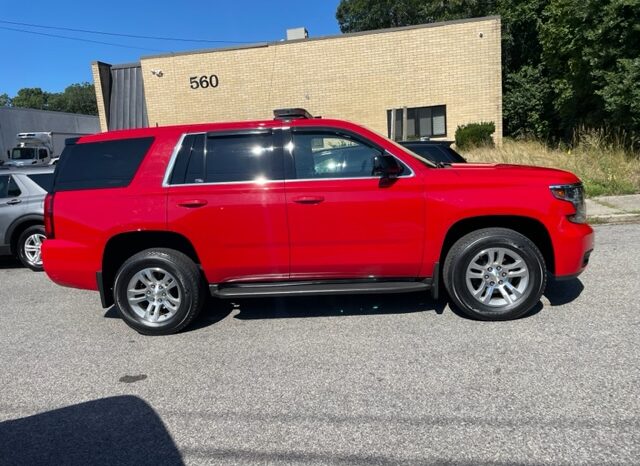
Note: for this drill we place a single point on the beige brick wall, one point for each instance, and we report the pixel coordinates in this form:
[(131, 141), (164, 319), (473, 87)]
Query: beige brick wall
[(353, 77), (95, 71)]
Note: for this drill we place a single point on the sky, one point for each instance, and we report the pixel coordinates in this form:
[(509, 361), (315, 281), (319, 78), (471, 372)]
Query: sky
[(51, 63)]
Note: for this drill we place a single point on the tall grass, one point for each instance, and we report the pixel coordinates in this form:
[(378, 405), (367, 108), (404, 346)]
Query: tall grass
[(605, 168)]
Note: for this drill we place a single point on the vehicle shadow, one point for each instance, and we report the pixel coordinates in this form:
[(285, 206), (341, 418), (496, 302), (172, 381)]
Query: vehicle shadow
[(215, 309), (328, 306), (558, 292), (10, 262), (561, 292), (116, 430)]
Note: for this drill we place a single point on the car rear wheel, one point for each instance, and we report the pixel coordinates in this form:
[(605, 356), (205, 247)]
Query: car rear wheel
[(495, 274), (158, 291), (29, 247)]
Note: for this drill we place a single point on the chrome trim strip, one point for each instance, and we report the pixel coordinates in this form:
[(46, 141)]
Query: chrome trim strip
[(252, 182), (176, 149)]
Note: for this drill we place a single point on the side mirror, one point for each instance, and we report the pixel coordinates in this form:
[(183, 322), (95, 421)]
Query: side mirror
[(386, 166)]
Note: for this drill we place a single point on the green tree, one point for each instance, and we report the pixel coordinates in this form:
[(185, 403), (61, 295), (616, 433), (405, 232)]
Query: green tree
[(31, 97), (527, 103), (5, 100), (76, 98), (363, 15), (592, 49)]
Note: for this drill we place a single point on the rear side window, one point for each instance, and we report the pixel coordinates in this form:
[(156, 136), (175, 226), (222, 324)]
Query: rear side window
[(44, 180), (223, 158), (189, 165), (4, 186), (8, 187), (241, 158), (106, 164)]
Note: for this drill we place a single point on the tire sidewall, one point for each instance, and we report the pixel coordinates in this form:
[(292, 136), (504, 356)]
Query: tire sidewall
[(124, 275), (465, 299), (20, 246)]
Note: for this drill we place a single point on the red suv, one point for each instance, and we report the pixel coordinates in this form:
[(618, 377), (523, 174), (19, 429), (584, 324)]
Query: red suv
[(155, 218)]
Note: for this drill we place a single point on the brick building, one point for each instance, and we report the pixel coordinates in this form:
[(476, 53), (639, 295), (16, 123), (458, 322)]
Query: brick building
[(409, 82)]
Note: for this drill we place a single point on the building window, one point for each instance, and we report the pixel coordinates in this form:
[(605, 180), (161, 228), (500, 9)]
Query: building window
[(422, 122)]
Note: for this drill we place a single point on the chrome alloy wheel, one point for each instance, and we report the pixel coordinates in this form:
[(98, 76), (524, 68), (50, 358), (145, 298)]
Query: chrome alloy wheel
[(32, 249), (154, 295), (497, 277)]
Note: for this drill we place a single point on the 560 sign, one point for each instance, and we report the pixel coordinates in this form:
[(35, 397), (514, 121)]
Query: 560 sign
[(197, 82)]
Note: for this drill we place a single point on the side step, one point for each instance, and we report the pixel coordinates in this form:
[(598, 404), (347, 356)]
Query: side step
[(264, 290)]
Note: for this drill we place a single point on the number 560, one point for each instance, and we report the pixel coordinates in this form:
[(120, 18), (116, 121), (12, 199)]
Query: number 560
[(203, 81)]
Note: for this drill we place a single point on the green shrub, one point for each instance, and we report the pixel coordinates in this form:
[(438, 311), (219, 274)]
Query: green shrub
[(475, 135)]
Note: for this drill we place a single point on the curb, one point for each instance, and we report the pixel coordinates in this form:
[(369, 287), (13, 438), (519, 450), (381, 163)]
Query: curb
[(613, 219)]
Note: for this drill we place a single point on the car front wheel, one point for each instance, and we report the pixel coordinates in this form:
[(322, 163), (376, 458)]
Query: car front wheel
[(158, 291), (495, 274)]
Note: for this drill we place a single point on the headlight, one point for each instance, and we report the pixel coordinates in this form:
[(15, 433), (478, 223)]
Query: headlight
[(573, 193)]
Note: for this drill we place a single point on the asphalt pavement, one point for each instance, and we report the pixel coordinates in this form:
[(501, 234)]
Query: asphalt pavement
[(395, 379)]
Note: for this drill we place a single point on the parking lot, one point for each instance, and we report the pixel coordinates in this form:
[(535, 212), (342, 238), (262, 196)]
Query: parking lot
[(395, 379)]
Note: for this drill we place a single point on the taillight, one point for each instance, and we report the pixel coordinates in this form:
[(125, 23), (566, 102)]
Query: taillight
[(48, 216)]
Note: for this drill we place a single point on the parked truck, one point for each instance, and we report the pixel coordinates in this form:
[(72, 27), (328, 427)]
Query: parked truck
[(37, 148)]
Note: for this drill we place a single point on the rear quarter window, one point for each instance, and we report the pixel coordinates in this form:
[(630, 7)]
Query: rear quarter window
[(44, 180), (105, 164)]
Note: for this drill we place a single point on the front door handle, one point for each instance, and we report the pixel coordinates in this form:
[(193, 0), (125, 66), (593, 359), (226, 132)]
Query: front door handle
[(14, 202), (308, 199), (193, 203)]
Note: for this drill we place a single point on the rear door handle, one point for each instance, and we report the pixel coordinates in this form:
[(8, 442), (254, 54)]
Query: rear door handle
[(14, 202), (308, 199), (193, 203)]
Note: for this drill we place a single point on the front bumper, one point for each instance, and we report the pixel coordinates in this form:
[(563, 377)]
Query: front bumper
[(573, 244)]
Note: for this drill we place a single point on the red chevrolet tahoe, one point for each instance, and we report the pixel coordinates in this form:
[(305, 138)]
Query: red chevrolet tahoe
[(156, 218)]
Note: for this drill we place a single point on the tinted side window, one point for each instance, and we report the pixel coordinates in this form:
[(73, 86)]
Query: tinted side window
[(42, 154), (44, 180), (331, 155), (4, 185), (189, 164), (195, 167), (243, 157), (107, 164), (13, 190)]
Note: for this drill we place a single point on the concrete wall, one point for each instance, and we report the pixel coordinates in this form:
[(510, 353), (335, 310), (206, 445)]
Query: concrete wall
[(20, 120)]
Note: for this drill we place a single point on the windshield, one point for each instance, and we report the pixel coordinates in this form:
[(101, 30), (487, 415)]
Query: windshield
[(23, 153), (428, 163)]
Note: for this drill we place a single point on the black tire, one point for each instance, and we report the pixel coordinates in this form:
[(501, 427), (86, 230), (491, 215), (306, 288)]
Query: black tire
[(468, 249), (189, 286), (22, 254)]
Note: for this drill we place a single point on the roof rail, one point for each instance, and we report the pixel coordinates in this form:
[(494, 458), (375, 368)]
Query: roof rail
[(291, 114)]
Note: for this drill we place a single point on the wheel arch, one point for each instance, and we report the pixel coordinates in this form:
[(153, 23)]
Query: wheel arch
[(526, 226), (18, 226), (122, 246)]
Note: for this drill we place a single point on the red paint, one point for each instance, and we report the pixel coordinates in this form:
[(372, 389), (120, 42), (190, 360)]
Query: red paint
[(297, 229)]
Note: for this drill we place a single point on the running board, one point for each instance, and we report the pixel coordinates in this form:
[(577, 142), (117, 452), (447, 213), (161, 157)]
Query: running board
[(264, 290)]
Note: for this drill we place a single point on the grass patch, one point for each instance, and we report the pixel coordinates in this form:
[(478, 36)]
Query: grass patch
[(604, 170)]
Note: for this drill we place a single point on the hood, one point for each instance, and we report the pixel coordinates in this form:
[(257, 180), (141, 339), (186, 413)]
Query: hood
[(514, 174)]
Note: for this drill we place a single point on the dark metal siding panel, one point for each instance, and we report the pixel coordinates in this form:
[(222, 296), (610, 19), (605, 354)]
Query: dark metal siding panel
[(128, 107)]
